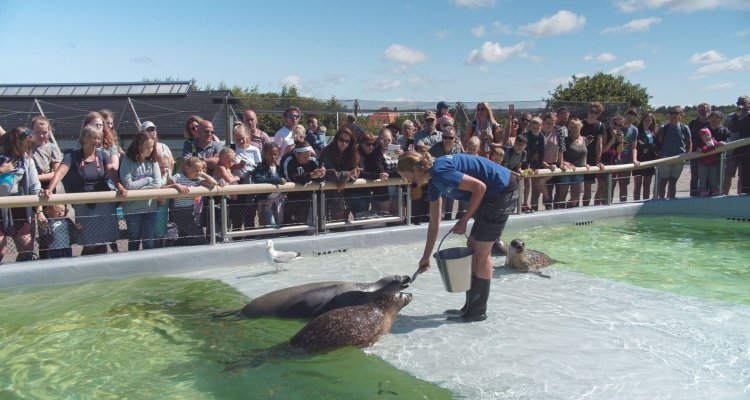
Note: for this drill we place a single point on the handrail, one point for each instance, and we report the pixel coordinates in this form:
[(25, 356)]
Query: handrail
[(261, 188)]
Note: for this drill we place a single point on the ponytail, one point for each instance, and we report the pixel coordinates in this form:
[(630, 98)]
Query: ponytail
[(414, 160)]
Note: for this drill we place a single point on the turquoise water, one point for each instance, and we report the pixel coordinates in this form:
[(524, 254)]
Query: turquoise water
[(151, 338), (708, 258)]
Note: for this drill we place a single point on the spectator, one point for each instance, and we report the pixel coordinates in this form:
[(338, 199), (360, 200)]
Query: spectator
[(373, 166), (313, 136), (535, 149), (301, 168), (110, 143), (516, 127), (673, 139), (258, 138), (46, 154), (486, 128), (611, 154), (166, 166), (561, 122), (629, 154), (351, 122), (516, 159), (19, 179), (192, 129), (269, 206), (224, 168), (283, 137), (203, 147), (594, 132), (60, 234), (442, 110), (406, 140), (449, 144), (708, 168), (574, 157), (646, 148), (187, 211), (140, 170), (563, 115), (696, 125), (390, 162), (247, 156), (340, 160), (429, 135), (91, 167), (738, 160), (472, 146), (554, 147), (149, 128)]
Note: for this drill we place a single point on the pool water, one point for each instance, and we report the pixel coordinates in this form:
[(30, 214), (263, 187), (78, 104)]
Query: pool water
[(707, 258), (151, 338)]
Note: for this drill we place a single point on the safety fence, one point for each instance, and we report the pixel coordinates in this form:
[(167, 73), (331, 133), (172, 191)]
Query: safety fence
[(247, 212)]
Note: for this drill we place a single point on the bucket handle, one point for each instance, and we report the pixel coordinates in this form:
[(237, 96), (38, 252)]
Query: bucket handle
[(446, 235)]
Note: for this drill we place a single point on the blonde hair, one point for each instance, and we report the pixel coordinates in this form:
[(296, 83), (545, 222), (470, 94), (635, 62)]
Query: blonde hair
[(414, 160), (473, 144), (191, 162), (298, 133), (226, 151), (536, 120), (575, 124), (239, 129)]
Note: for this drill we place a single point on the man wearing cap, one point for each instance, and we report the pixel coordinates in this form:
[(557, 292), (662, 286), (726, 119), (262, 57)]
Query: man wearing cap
[(429, 135), (258, 138), (738, 159), (149, 128), (204, 147)]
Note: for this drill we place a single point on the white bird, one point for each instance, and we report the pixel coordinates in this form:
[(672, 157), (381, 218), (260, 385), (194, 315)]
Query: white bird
[(279, 258)]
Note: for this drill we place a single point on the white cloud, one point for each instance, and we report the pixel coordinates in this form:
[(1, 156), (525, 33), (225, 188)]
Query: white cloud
[(710, 56), (739, 64), (292, 80), (561, 23), (636, 25), (588, 57), (403, 54), (501, 28), (384, 84), (478, 31), (442, 34), (484, 69), (720, 86), (400, 69), (688, 6), (741, 34), (473, 3), (417, 81), (628, 67), (564, 81), (606, 57), (494, 53)]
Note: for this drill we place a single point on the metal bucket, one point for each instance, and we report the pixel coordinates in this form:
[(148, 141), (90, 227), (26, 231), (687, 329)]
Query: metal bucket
[(455, 267)]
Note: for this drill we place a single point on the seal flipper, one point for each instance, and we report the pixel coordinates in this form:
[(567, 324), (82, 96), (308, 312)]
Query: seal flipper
[(237, 314), (540, 274)]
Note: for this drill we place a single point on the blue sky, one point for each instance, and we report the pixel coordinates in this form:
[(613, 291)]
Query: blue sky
[(683, 51)]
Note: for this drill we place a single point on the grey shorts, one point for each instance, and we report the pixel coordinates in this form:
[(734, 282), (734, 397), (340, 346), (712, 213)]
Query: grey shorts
[(671, 170), (490, 218)]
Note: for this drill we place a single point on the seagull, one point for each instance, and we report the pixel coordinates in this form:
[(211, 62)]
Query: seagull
[(279, 258)]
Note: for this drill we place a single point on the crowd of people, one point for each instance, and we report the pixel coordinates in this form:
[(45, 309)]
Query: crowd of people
[(32, 164)]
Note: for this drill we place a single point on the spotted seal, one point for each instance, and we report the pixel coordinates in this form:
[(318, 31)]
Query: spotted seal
[(360, 325), (526, 260), (313, 299)]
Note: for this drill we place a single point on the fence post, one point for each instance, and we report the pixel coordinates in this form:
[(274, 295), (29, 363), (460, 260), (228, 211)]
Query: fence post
[(316, 222), (212, 220), (224, 214), (400, 203), (322, 226), (519, 201), (408, 206), (609, 189), (722, 163), (656, 183)]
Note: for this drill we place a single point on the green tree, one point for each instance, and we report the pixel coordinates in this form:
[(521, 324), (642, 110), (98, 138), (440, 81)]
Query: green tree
[(604, 88)]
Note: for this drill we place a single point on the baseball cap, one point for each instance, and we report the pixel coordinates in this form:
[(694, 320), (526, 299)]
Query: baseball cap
[(145, 125), (429, 115)]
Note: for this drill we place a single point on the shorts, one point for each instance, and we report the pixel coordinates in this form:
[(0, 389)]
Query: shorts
[(490, 218), (644, 172), (571, 178), (672, 171), (590, 178)]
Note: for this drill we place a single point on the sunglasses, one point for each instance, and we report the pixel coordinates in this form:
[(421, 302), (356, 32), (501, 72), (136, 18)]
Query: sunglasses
[(449, 138), (293, 116), (194, 128), (525, 120), (344, 141), (592, 111), (370, 144), (151, 129)]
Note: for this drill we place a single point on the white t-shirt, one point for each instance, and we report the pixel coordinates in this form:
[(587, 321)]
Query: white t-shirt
[(283, 138), (251, 157)]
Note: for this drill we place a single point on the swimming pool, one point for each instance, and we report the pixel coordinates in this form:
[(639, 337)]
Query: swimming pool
[(576, 335)]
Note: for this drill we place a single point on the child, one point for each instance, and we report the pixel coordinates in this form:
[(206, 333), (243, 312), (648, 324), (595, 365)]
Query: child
[(162, 209), (708, 166), (515, 157), (472, 145), (225, 166), (267, 172), (187, 211), (61, 233), (497, 155)]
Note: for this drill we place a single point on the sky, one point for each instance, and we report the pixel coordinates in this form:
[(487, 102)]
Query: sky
[(683, 51)]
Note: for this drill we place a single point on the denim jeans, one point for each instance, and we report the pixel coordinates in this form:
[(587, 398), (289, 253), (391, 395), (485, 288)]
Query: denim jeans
[(141, 226)]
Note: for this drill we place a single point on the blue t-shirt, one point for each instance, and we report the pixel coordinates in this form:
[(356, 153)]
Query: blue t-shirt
[(447, 172)]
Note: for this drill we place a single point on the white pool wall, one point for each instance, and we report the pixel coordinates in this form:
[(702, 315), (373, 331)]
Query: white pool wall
[(186, 259)]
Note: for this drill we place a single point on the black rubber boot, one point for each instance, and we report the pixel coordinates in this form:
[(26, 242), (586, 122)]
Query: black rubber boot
[(454, 311), (477, 307)]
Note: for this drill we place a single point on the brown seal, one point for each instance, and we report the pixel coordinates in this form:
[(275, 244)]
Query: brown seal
[(526, 260), (360, 325)]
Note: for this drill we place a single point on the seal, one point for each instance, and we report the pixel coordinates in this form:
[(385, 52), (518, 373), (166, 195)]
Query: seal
[(360, 325), (313, 299), (521, 259)]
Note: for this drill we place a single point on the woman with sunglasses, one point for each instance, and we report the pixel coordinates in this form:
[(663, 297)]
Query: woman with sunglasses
[(486, 128), (491, 193), (373, 164), (18, 177), (340, 159)]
